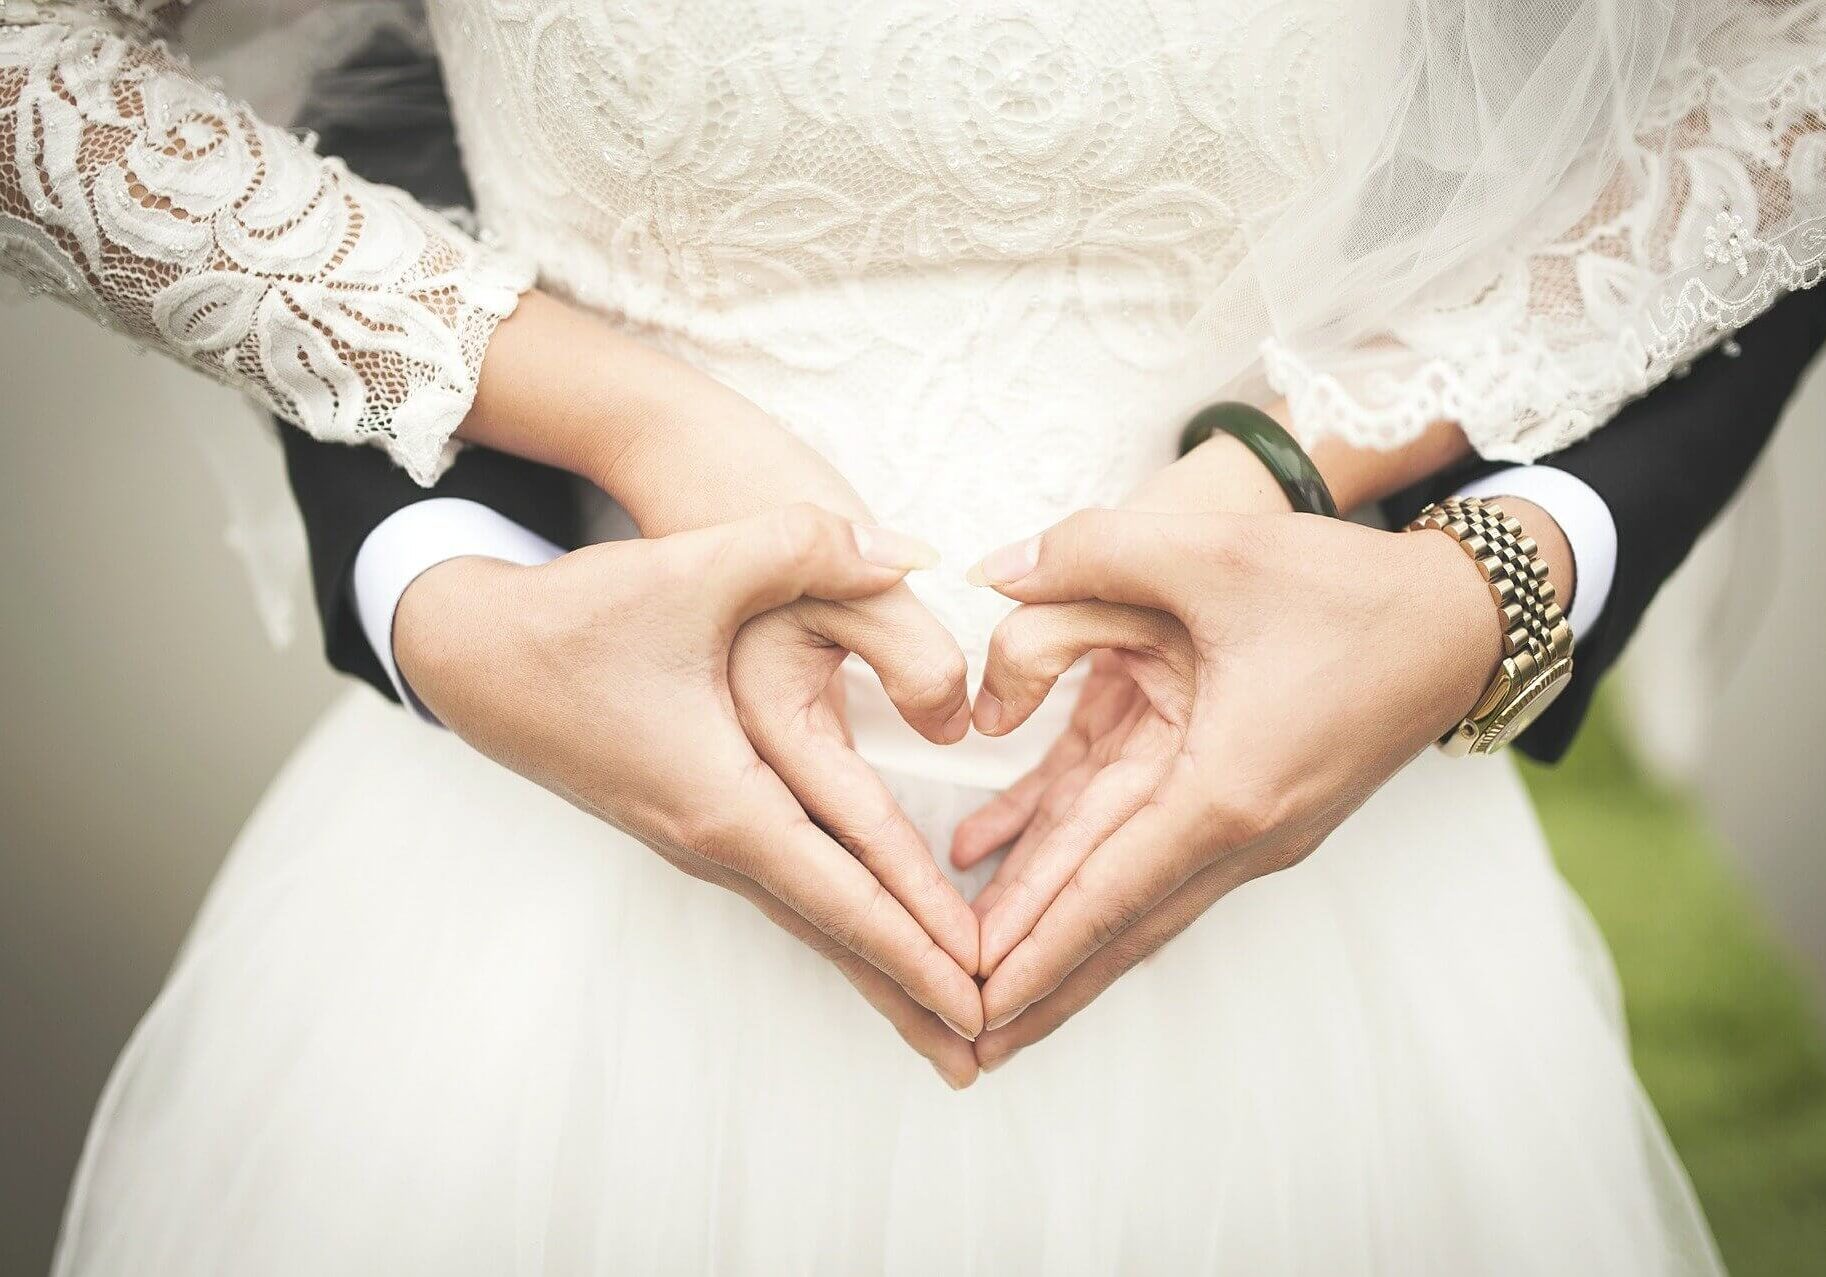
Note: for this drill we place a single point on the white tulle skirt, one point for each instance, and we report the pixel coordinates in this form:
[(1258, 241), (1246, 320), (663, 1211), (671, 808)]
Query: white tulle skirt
[(434, 1021)]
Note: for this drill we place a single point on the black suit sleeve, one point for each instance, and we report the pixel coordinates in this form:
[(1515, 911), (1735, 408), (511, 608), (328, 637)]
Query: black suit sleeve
[(1665, 465), (344, 492)]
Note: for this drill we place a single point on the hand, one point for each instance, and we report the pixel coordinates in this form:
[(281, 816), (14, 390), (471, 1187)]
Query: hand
[(1113, 721), (604, 676), (679, 450), (1285, 666)]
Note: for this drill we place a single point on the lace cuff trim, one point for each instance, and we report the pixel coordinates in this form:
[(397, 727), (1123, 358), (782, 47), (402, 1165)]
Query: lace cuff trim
[(1713, 216), (150, 200)]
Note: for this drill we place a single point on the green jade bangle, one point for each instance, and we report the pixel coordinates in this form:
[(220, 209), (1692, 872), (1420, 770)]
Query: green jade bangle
[(1285, 459)]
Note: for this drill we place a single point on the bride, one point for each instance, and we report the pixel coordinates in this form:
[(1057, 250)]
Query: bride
[(826, 294)]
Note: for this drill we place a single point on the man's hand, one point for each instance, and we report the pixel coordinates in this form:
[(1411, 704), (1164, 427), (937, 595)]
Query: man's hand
[(1279, 669), (605, 677)]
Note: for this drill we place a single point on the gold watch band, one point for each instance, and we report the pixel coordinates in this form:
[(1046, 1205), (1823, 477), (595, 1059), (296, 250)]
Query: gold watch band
[(1537, 641)]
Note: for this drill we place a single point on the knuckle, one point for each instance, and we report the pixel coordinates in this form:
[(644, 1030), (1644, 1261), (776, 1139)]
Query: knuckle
[(862, 836), (1090, 522), (718, 832), (934, 680), (1106, 924), (803, 530), (851, 930), (1018, 643), (1241, 813), (1110, 909), (708, 834)]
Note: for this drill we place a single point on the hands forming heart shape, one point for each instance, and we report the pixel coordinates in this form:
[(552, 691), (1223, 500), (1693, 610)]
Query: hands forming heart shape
[(1254, 681), (1192, 764)]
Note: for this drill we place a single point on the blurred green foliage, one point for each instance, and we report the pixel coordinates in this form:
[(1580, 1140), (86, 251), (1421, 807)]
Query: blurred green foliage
[(1721, 1021)]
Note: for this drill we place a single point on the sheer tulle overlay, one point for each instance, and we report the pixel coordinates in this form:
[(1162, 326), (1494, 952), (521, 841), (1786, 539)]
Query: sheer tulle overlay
[(445, 1023)]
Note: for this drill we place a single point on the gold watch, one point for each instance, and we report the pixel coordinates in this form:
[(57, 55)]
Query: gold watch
[(1537, 641)]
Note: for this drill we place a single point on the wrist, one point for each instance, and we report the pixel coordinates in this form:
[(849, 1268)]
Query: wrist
[(454, 615), (1359, 475), (1455, 620), (1220, 476), (1553, 547), (1535, 658), (564, 388)]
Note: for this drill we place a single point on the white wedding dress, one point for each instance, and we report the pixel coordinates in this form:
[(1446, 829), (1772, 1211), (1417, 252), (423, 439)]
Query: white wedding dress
[(432, 1020)]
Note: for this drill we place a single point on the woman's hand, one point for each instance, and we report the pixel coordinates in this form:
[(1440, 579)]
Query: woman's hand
[(606, 678), (678, 450), (1280, 668)]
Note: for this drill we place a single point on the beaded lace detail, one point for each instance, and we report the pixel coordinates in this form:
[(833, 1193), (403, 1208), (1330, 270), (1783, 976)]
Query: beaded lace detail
[(152, 201)]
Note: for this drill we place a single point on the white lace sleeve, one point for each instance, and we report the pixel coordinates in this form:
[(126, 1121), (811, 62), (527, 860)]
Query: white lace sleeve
[(135, 191), (1716, 209)]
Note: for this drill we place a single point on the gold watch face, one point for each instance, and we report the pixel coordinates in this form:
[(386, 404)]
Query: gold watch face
[(1529, 704)]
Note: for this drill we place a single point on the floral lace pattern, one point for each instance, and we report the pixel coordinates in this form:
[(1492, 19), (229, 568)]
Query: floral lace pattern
[(954, 246), (149, 199), (962, 249), (1718, 210)]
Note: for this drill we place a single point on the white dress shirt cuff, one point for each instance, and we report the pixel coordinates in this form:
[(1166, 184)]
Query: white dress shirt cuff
[(1583, 517), (418, 537)]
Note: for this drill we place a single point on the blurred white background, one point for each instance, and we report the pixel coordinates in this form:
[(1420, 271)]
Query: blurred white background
[(145, 709)]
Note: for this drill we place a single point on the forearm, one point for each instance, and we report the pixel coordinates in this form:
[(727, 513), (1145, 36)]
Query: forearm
[(1358, 476), (149, 199), (676, 448)]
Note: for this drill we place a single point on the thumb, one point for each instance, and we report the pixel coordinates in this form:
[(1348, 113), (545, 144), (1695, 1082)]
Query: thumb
[(753, 565), (1118, 556), (918, 662), (1037, 642)]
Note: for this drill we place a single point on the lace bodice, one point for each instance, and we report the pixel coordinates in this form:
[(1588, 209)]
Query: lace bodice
[(986, 257), (954, 246), (965, 249)]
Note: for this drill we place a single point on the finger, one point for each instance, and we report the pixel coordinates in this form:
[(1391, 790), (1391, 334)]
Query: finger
[(1053, 806), (847, 797), (1108, 694), (1102, 969), (1119, 556), (1037, 643), (1108, 713), (920, 665), (767, 836), (767, 560), (1137, 867), (950, 1054), (999, 820), (1112, 796)]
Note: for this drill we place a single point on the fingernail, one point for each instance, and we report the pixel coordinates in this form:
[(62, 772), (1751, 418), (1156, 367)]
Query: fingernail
[(998, 1062), (958, 1029), (1010, 563), (988, 714), (958, 722), (1010, 1018), (887, 548)]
